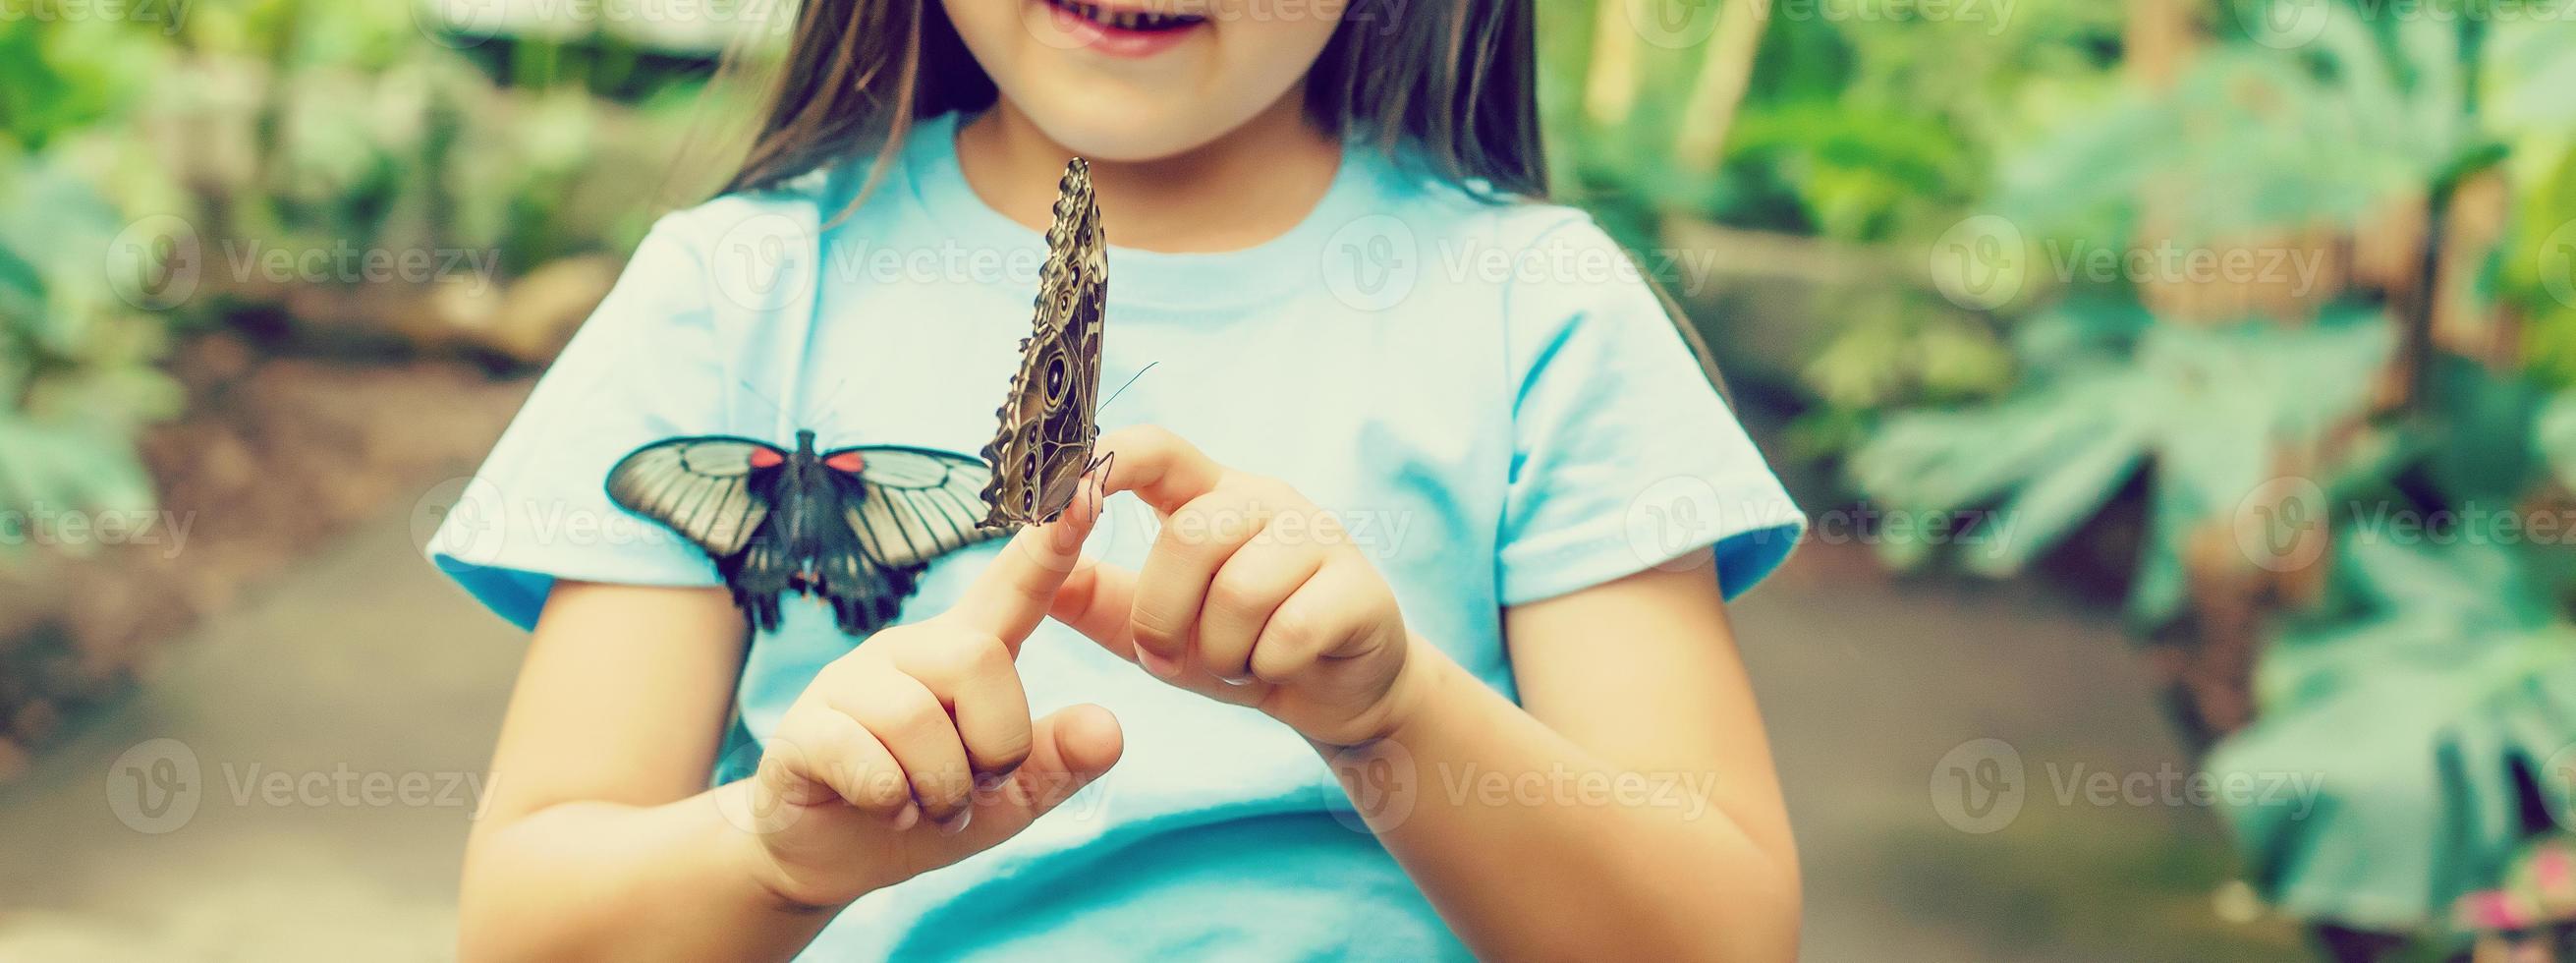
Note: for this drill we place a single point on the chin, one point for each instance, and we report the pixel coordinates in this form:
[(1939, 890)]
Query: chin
[(1124, 135)]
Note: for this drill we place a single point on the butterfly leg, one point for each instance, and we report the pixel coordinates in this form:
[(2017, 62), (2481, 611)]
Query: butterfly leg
[(1101, 465)]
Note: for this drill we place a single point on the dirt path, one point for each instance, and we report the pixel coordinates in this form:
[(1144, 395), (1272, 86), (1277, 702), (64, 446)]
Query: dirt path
[(360, 662), (372, 689)]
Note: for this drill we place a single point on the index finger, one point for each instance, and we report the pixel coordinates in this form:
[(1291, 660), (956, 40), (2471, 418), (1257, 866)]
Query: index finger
[(1162, 468), (1011, 597)]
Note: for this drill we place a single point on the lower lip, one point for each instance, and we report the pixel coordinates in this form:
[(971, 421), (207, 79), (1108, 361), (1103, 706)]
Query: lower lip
[(1113, 41)]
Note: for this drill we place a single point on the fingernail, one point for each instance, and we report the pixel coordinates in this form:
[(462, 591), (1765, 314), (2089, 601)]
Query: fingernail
[(957, 823), (1157, 664), (908, 818)]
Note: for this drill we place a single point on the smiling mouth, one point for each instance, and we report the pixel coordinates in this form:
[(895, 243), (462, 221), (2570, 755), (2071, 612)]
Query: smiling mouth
[(1137, 21)]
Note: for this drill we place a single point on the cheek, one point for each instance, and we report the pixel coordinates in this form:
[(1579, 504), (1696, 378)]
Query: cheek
[(1266, 52), (990, 28)]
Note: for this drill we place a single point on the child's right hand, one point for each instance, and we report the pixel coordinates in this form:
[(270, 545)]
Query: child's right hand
[(916, 749)]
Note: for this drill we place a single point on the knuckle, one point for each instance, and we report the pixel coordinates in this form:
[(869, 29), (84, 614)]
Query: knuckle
[(1234, 596), (918, 722), (1142, 438), (1203, 521), (1276, 490), (1156, 630), (1278, 665), (1297, 630), (1007, 752), (942, 793), (1229, 663), (854, 669), (879, 789), (985, 652), (961, 656)]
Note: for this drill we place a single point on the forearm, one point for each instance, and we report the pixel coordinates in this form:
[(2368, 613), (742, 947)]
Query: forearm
[(1535, 848), (598, 880)]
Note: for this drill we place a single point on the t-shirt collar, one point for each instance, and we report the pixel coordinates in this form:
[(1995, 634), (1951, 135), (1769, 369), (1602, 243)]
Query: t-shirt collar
[(1150, 280)]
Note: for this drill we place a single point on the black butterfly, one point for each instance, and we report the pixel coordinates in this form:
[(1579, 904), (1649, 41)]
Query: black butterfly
[(1049, 420), (853, 526)]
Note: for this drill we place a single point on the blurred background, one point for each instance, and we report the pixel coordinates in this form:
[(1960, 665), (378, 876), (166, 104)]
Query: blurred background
[(2181, 390)]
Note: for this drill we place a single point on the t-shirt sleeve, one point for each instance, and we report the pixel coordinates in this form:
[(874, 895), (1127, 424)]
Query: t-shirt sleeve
[(1624, 456), (643, 368)]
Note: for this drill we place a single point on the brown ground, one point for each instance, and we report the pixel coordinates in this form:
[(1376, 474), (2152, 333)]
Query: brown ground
[(361, 658)]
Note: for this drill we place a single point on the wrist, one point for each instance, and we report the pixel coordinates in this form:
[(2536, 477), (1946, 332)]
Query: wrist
[(1420, 688), (747, 854), (1415, 692)]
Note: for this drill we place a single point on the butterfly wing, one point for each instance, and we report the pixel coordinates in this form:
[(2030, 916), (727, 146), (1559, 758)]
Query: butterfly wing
[(864, 595), (1049, 420), (705, 488), (914, 504)]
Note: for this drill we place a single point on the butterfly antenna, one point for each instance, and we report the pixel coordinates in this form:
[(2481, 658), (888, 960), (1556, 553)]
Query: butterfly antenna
[(1131, 379), (764, 399), (828, 422)]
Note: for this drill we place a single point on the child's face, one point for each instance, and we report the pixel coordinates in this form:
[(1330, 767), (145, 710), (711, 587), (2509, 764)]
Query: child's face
[(1136, 80)]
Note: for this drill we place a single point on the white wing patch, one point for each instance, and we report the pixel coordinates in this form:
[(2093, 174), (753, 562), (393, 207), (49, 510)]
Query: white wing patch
[(700, 487), (921, 504)]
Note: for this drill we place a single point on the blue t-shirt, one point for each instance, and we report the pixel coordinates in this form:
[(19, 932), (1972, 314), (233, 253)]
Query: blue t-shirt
[(1493, 402)]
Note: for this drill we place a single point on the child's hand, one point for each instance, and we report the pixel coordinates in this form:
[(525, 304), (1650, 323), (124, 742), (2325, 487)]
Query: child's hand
[(916, 749), (1251, 595)]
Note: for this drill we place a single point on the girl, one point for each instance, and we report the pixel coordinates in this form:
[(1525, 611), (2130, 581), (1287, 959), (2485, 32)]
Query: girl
[(1401, 412)]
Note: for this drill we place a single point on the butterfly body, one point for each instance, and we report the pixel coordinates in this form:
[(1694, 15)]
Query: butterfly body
[(1049, 421), (852, 527)]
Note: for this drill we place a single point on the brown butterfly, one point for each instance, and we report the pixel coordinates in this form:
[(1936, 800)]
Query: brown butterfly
[(1049, 421)]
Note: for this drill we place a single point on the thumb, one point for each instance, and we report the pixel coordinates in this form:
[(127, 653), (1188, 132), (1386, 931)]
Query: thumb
[(1071, 747)]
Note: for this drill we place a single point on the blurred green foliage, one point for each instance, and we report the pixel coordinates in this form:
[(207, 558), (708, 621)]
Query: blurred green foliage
[(77, 374), (2334, 411), (131, 151), (141, 156)]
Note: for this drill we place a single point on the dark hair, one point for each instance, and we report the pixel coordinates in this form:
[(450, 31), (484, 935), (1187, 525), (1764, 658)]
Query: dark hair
[(1451, 83)]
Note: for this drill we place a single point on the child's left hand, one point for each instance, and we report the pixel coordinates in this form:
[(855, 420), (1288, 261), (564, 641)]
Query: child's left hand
[(1251, 595)]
